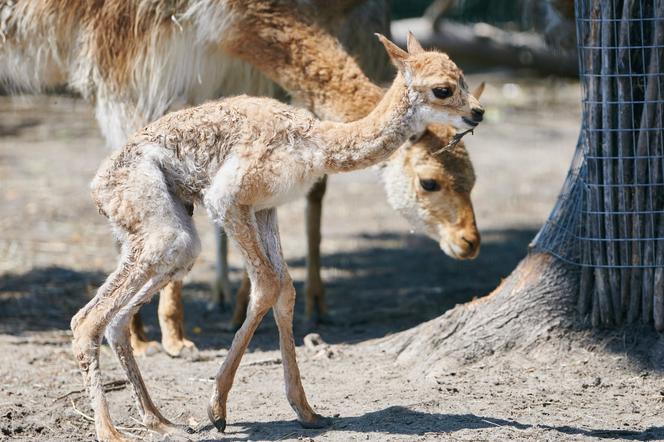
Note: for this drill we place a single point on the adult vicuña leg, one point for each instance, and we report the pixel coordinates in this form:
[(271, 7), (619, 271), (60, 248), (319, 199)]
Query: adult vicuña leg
[(171, 322), (221, 291), (315, 305), (241, 302), (241, 226), (139, 340)]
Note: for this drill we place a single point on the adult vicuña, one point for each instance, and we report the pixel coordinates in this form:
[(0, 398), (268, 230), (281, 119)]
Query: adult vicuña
[(137, 60), (239, 157)]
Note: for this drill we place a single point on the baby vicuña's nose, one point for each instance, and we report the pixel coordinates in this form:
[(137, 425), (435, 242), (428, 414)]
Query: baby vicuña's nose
[(477, 113)]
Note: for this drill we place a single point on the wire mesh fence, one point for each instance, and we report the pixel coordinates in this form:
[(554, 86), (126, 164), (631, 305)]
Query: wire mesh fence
[(609, 218)]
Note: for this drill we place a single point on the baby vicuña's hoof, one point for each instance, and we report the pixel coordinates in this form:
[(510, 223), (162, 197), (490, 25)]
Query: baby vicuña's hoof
[(111, 435), (318, 421), (174, 433), (218, 422)]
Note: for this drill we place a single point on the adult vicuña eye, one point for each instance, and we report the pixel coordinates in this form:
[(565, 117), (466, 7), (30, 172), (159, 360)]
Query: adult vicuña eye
[(442, 92), (430, 185)]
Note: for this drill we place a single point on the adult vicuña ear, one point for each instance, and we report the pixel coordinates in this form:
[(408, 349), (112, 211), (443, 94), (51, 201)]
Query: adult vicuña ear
[(414, 46), (477, 93), (397, 55)]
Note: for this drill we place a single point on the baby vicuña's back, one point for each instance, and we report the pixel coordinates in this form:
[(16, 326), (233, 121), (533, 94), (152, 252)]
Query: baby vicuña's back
[(193, 144), (213, 129)]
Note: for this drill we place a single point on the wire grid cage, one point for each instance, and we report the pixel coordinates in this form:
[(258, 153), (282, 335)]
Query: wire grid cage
[(610, 212)]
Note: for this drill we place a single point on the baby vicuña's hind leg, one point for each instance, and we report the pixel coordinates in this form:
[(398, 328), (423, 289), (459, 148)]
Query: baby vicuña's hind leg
[(88, 327), (156, 246), (283, 315), (135, 277), (241, 225), (170, 245)]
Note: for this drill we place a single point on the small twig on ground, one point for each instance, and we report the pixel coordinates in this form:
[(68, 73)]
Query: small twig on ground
[(136, 420), (85, 416), (92, 419), (268, 361), (286, 436), (118, 384)]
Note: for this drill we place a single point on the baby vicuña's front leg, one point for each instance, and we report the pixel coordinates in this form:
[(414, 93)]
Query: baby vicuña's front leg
[(256, 234)]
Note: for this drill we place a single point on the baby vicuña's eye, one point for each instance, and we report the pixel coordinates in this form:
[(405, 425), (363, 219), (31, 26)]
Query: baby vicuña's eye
[(442, 92), (429, 185)]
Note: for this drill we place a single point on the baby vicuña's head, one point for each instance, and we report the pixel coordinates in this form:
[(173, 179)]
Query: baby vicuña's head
[(436, 85)]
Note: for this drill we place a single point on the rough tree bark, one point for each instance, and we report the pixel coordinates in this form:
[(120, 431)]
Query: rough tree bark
[(597, 261)]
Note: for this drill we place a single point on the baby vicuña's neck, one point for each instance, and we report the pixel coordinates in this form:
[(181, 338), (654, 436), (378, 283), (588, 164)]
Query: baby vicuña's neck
[(372, 139)]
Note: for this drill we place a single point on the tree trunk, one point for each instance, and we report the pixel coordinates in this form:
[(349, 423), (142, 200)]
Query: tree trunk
[(599, 259)]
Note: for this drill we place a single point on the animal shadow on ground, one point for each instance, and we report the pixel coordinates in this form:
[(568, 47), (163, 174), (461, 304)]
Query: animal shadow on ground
[(390, 282), (397, 280), (13, 130), (401, 420), (44, 298)]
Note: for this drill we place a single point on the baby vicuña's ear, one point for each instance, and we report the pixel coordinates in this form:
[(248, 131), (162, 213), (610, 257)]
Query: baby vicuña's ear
[(414, 46), (397, 55), (477, 93)]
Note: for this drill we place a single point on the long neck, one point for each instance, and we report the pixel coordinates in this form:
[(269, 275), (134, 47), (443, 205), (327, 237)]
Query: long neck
[(302, 57), (365, 142)]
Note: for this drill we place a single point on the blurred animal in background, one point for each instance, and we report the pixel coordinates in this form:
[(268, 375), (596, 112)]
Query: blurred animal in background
[(138, 60), (239, 157)]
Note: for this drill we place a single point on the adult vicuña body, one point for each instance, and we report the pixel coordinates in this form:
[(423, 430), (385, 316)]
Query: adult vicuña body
[(137, 60), (239, 157)]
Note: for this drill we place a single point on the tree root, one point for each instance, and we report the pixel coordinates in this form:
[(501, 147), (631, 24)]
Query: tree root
[(533, 304)]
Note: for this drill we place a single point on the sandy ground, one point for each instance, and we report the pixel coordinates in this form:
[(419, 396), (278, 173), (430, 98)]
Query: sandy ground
[(55, 249)]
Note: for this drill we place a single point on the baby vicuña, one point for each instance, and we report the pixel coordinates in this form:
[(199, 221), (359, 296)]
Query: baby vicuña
[(239, 157)]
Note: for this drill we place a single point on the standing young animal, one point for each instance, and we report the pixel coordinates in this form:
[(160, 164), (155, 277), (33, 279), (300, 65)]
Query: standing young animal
[(239, 157), (139, 59), (430, 186)]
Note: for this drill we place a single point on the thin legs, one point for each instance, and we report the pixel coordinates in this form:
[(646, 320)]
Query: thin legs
[(315, 304), (221, 294), (258, 238), (171, 323), (156, 250)]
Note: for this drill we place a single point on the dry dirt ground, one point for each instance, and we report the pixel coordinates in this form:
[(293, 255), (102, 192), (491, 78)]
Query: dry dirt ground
[(381, 278)]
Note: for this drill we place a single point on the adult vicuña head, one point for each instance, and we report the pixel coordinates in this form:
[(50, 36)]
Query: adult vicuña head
[(438, 201)]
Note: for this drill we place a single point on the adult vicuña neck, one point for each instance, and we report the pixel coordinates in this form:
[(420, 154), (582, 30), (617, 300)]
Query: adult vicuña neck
[(302, 57), (372, 139)]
